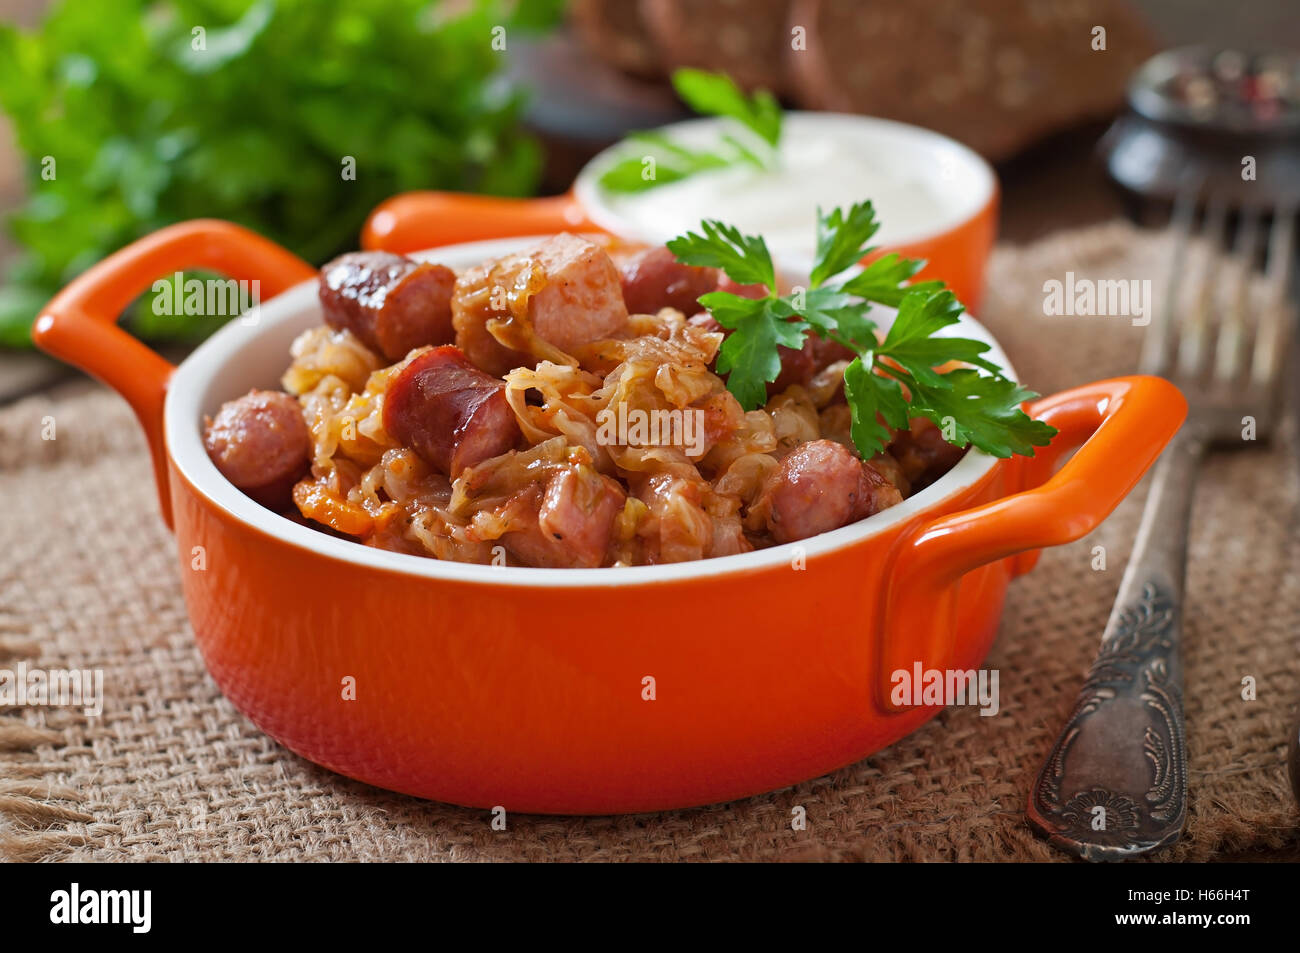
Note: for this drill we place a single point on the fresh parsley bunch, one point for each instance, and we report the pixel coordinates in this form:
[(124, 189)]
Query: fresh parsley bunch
[(890, 380), (132, 118), (710, 94)]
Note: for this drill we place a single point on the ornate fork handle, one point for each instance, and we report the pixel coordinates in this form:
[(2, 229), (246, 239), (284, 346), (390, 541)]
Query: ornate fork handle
[(1115, 784)]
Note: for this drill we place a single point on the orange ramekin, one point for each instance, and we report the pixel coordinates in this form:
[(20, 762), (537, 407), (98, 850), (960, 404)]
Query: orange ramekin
[(531, 688)]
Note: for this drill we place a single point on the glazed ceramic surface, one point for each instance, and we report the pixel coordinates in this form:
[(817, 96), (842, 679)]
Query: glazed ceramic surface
[(577, 691)]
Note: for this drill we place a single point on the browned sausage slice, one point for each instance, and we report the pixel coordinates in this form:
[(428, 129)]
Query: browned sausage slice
[(923, 453), (393, 304), (821, 486), (575, 521), (448, 411), (655, 279), (261, 444)]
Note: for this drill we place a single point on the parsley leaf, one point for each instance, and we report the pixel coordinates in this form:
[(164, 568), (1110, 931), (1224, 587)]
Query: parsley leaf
[(744, 258), (663, 160), (983, 410), (912, 344), (905, 375), (823, 308), (716, 94), (749, 355), (842, 240), (869, 394), (256, 127), (882, 281), (637, 174)]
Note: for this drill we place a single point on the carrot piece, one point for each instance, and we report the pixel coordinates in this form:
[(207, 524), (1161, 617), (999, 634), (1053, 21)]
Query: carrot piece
[(317, 503)]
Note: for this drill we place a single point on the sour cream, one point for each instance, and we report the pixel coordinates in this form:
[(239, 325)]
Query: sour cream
[(921, 184)]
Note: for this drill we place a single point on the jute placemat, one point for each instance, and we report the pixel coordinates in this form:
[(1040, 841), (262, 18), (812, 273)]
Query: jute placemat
[(88, 579)]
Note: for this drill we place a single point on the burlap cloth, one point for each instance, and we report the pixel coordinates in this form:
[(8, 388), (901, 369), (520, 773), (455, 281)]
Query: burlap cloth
[(88, 579)]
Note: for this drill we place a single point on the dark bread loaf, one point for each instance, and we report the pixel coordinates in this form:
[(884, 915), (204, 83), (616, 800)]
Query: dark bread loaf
[(746, 39), (995, 74), (613, 31)]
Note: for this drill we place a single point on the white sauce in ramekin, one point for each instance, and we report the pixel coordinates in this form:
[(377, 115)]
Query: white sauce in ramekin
[(808, 173), (920, 182)]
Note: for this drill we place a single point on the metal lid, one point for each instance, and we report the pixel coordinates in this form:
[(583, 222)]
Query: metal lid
[(1215, 90)]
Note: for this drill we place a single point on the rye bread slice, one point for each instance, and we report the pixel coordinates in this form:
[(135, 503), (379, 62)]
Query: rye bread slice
[(613, 31), (995, 74), (745, 38)]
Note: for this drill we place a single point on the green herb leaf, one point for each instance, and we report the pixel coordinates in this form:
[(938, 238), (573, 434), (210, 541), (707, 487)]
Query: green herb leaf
[(884, 280), (728, 309), (749, 355), (912, 343), (854, 329), (715, 94), (985, 411), (823, 308), (842, 240), (710, 94), (636, 174), (295, 119), (870, 394), (906, 375), (744, 258)]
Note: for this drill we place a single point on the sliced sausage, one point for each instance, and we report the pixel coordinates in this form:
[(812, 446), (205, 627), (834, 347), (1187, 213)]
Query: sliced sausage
[(820, 486), (801, 366), (561, 295), (392, 303), (575, 521), (877, 490), (261, 444), (923, 453), (655, 279), (448, 411)]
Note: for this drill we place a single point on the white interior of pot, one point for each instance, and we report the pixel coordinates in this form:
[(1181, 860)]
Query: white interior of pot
[(255, 353)]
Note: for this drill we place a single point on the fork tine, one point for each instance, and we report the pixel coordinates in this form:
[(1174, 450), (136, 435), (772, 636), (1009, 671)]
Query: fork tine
[(1229, 358), (1156, 344), (1274, 321), (1195, 327)]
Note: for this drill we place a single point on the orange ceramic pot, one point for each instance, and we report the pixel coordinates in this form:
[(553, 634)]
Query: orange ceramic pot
[(577, 691)]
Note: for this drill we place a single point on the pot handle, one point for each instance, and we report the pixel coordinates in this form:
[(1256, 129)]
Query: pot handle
[(417, 220), (79, 325), (1120, 427)]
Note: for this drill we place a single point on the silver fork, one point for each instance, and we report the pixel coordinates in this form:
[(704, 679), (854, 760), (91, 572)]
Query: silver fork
[(1115, 783)]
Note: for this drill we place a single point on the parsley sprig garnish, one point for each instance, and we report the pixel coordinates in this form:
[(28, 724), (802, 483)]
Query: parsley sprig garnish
[(710, 94), (890, 380)]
